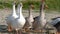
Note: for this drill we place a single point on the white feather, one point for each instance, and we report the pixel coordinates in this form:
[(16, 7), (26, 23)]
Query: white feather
[(19, 22)]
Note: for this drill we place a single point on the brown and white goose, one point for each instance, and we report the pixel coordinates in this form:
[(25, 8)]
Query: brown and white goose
[(40, 21), (29, 19)]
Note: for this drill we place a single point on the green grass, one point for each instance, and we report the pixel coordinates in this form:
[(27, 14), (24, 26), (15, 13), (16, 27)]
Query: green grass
[(52, 4)]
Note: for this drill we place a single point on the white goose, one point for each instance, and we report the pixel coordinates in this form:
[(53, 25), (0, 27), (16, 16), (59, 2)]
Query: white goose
[(11, 18), (40, 20), (19, 22)]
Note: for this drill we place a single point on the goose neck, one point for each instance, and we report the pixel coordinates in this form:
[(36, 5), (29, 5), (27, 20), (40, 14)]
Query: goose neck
[(14, 12), (30, 12), (41, 10), (20, 12), (42, 14)]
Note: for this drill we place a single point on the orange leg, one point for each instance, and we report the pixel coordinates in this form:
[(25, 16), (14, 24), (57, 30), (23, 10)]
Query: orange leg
[(58, 33), (9, 28)]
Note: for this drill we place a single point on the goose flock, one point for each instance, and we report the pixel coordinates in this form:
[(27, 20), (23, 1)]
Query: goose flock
[(18, 21)]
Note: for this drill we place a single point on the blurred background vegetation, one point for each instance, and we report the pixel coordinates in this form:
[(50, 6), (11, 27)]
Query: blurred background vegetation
[(52, 4)]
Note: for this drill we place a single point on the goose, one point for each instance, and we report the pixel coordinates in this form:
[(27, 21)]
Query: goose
[(40, 21), (19, 22), (56, 23), (29, 19), (11, 17)]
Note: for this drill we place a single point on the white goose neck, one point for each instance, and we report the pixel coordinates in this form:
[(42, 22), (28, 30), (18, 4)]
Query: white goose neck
[(14, 11), (20, 12)]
